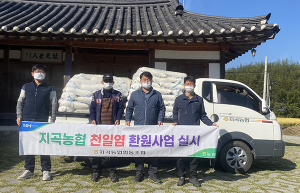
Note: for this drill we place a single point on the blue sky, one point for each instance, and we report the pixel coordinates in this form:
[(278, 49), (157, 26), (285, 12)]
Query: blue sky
[(285, 45)]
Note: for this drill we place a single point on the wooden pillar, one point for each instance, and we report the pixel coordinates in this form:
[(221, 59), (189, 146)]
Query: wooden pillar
[(222, 65), (68, 64), (224, 48), (152, 58), (77, 58), (8, 78), (4, 81)]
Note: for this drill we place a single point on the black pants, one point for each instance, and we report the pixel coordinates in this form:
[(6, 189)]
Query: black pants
[(181, 166), (97, 164), (30, 162), (152, 165)]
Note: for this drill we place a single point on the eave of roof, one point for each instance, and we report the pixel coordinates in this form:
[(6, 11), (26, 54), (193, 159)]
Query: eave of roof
[(152, 20)]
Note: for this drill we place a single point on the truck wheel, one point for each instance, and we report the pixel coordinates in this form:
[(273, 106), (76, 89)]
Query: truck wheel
[(236, 157)]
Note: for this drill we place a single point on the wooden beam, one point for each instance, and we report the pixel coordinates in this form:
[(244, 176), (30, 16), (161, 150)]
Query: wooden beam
[(224, 46), (26, 42), (139, 45)]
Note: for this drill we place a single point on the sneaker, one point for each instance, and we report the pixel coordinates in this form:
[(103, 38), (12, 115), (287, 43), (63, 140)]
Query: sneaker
[(46, 176), (181, 181), (195, 182), (138, 178), (155, 179), (113, 177), (95, 177), (26, 175)]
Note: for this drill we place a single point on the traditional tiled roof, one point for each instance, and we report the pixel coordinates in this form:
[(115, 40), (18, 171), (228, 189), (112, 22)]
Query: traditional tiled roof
[(156, 20)]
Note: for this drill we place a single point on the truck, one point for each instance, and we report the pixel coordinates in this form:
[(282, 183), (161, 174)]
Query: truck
[(248, 128)]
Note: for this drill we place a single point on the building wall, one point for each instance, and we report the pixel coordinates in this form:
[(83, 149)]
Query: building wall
[(200, 64), (16, 73), (120, 62)]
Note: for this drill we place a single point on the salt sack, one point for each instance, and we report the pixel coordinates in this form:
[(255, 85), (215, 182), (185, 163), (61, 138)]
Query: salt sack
[(65, 109), (169, 84), (77, 94), (91, 87), (85, 111), (73, 104), (86, 100), (68, 96)]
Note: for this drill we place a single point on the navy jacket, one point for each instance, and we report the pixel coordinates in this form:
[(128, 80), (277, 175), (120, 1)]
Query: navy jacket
[(189, 111), (96, 105), (146, 112), (35, 101)]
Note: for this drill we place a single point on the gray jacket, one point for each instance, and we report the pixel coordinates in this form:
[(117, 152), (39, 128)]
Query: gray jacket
[(146, 112)]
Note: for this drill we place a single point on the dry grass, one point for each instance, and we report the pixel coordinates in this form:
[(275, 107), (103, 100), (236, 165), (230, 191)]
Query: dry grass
[(288, 122)]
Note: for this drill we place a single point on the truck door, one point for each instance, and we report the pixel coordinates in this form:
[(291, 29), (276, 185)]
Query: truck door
[(238, 111)]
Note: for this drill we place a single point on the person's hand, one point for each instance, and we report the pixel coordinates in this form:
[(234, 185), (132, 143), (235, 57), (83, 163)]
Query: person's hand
[(94, 122), (160, 123), (215, 124), (127, 123), (117, 122), (174, 124), (19, 120)]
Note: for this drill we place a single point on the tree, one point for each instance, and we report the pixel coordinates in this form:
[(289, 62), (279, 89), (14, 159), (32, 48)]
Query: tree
[(284, 79)]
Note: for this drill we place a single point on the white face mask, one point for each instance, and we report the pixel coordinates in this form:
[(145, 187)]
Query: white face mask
[(108, 85), (189, 89), (39, 76), (146, 85)]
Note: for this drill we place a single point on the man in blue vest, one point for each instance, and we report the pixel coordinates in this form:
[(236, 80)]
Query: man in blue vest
[(106, 108), (36, 102), (149, 109), (189, 110)]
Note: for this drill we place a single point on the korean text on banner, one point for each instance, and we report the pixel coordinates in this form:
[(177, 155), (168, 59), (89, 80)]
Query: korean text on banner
[(38, 138)]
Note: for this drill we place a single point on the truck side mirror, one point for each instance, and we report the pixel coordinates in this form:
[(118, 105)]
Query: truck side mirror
[(281, 108), (264, 108)]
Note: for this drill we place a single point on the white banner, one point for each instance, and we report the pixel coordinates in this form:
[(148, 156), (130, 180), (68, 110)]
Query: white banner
[(117, 141)]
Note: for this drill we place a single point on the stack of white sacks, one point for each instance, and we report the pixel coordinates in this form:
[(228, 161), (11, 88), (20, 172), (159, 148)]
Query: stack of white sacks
[(77, 94), (169, 84)]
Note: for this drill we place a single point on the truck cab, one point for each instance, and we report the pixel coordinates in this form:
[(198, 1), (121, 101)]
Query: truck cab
[(248, 129)]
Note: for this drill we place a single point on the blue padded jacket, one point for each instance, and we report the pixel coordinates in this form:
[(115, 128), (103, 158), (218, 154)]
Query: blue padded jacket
[(146, 112)]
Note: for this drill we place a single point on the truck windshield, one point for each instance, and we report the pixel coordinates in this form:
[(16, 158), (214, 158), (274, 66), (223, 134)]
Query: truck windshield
[(237, 95)]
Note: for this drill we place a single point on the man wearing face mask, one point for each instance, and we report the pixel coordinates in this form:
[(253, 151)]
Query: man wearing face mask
[(189, 110), (37, 99), (149, 109), (106, 108)]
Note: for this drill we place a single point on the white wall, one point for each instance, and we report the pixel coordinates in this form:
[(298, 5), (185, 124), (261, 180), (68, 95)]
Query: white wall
[(173, 54), (161, 65), (214, 70)]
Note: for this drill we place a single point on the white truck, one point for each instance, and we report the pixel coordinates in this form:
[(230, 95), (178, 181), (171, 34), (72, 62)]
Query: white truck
[(247, 127)]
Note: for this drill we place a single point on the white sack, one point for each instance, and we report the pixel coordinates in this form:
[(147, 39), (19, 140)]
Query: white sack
[(86, 100), (65, 109), (73, 104)]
